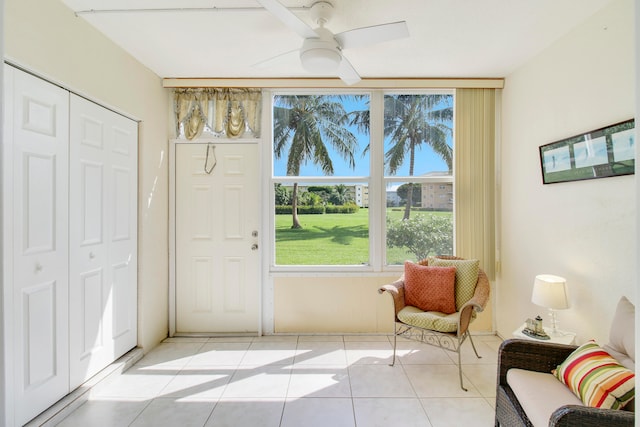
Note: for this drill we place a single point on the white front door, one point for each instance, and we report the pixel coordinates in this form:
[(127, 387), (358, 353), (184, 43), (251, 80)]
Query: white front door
[(36, 132), (217, 234)]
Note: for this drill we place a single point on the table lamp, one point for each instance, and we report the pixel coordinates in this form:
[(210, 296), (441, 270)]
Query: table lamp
[(551, 292)]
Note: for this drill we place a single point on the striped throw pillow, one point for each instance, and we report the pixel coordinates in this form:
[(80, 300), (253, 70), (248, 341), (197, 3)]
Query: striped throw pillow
[(596, 377)]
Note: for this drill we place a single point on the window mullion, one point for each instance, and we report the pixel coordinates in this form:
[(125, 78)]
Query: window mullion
[(377, 187)]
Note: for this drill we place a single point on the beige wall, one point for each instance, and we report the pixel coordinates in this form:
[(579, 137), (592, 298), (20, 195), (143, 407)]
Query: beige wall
[(584, 231), (332, 305), (45, 37), (340, 305)]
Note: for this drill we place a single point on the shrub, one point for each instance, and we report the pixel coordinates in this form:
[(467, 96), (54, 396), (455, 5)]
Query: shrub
[(349, 208), (422, 235), (315, 209), (283, 210), (283, 195)]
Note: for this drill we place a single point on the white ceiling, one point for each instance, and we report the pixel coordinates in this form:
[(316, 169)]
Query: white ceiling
[(448, 38)]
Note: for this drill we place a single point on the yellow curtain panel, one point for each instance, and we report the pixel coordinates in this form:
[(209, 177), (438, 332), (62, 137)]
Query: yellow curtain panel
[(474, 168)]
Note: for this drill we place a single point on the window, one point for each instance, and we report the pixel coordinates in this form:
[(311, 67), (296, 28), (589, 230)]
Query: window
[(361, 180), (418, 150)]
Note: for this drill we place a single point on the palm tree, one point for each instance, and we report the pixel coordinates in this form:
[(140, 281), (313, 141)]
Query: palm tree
[(302, 126), (340, 195), (410, 121)]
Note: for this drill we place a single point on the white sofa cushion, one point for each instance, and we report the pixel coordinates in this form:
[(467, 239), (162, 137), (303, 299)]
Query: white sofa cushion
[(539, 394), (622, 339)]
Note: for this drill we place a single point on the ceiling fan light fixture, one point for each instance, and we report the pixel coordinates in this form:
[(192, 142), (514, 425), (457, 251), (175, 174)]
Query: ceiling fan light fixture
[(321, 60)]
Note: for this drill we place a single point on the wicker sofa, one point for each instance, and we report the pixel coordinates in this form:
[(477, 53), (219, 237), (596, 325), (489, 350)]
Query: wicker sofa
[(548, 401)]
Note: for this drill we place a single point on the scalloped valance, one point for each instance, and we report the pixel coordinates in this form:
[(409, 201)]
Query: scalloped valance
[(222, 111)]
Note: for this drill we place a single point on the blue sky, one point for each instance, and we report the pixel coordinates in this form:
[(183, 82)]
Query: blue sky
[(426, 160)]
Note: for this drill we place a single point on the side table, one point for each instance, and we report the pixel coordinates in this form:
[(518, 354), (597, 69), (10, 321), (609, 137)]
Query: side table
[(563, 337)]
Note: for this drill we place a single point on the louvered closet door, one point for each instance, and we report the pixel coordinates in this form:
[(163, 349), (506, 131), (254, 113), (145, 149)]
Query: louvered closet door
[(103, 233), (36, 132)]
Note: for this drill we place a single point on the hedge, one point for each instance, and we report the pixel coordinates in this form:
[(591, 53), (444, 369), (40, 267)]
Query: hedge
[(343, 209), (318, 209), (302, 210)]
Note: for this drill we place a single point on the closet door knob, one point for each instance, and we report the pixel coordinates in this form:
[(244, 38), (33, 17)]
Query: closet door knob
[(92, 255), (38, 268)]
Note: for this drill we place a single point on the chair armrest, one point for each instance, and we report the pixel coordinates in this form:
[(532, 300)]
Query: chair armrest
[(480, 296), (530, 355), (584, 416), (396, 290), (477, 303)]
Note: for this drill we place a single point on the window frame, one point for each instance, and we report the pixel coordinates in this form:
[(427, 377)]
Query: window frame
[(377, 181)]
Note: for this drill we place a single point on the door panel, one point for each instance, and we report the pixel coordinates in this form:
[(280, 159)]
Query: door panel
[(217, 270), (102, 237), (39, 192), (40, 333), (39, 141)]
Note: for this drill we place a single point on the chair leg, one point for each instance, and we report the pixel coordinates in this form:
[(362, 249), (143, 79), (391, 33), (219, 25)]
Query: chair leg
[(395, 340), (460, 357), (460, 368), (474, 346)]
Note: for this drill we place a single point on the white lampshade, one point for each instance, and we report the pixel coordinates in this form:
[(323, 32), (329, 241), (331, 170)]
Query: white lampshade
[(550, 291)]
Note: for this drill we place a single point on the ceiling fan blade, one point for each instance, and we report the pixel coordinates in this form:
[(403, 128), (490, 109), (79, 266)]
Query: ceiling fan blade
[(278, 59), (366, 36), (288, 18), (347, 73)]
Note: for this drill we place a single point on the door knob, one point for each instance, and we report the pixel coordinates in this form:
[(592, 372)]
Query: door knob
[(254, 247)]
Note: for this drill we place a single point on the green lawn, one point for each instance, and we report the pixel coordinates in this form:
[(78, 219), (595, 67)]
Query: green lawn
[(332, 239)]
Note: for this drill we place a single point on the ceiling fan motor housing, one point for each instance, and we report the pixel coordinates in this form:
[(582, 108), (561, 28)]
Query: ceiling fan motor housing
[(321, 55)]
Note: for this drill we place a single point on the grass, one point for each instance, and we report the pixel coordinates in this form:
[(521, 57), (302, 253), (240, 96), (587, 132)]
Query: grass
[(332, 239)]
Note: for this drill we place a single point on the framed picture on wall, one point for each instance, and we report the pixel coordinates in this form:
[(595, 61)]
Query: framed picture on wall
[(604, 152)]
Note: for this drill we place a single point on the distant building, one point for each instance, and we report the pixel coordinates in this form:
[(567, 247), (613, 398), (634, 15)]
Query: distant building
[(393, 199), (437, 196), (361, 195), (358, 192)]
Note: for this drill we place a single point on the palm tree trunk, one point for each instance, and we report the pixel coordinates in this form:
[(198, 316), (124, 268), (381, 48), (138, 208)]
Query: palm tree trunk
[(407, 208), (294, 206), (412, 158)]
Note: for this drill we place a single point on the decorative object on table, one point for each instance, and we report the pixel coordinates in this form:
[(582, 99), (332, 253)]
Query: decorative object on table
[(535, 330), (604, 152), (551, 292)]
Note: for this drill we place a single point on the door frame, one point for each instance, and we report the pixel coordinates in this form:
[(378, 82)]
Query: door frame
[(173, 143)]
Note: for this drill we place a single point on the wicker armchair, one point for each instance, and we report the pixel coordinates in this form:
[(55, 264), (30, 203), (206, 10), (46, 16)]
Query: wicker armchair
[(451, 341), (543, 357)]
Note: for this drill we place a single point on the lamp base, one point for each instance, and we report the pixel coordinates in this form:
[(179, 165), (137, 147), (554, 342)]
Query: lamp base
[(554, 324)]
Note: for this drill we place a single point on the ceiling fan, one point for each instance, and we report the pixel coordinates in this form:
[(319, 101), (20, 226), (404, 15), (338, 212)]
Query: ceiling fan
[(321, 51)]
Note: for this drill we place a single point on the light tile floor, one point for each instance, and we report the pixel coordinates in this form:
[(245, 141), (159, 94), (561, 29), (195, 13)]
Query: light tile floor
[(292, 381)]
